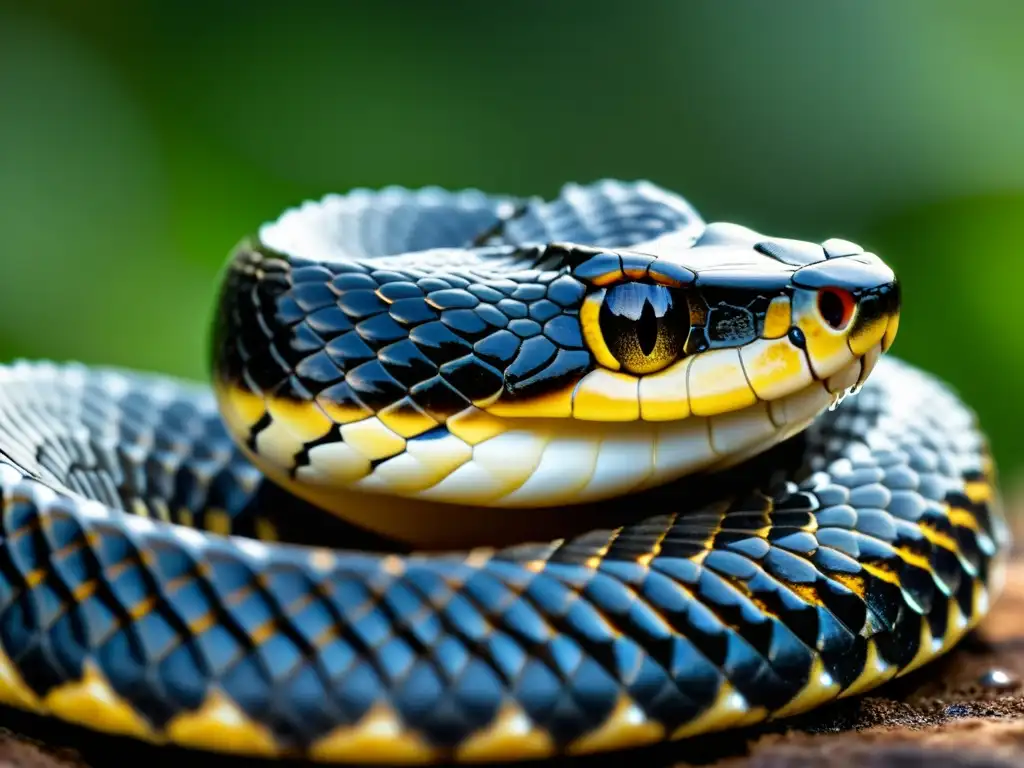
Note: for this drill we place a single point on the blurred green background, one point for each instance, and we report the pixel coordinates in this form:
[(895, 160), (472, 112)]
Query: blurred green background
[(140, 140)]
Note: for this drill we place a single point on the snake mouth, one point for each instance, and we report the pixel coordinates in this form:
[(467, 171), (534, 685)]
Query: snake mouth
[(575, 462), (535, 481), (538, 477)]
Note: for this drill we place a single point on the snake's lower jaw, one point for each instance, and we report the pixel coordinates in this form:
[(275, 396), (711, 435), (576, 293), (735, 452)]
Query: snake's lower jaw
[(536, 479), (796, 412)]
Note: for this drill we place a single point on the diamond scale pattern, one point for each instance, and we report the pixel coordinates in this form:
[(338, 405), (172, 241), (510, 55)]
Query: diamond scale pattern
[(381, 331), (674, 607), (769, 590)]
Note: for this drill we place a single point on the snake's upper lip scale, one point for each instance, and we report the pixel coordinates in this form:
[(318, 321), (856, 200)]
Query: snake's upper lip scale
[(880, 302), (867, 365), (890, 298), (874, 304)]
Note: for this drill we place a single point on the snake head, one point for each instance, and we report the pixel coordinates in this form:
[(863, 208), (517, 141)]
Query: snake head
[(512, 375), (707, 327)]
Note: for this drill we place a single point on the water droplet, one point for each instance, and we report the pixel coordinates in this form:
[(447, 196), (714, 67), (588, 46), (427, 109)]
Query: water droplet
[(957, 710), (999, 679)]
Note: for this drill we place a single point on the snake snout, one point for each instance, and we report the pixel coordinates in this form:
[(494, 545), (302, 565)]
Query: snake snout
[(850, 301), (877, 306)]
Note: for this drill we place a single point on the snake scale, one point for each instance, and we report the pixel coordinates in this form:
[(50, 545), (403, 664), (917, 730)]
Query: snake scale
[(595, 481)]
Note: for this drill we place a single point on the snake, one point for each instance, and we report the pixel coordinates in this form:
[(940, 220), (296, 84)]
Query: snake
[(483, 477)]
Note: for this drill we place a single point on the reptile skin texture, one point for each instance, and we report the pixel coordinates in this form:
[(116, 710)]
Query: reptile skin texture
[(155, 583)]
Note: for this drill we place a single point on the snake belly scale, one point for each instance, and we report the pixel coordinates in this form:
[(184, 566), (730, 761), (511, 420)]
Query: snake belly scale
[(488, 478)]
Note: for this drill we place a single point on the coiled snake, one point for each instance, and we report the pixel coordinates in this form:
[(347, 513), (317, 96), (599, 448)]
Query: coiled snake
[(460, 370)]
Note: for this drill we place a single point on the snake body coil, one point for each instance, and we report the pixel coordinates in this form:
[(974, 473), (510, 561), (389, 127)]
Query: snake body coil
[(456, 368)]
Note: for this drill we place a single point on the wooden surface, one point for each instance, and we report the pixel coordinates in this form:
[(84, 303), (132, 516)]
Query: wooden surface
[(964, 710)]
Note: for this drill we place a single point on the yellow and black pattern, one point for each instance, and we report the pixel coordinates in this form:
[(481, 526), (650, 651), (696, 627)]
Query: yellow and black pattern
[(154, 583), (873, 557), (421, 366)]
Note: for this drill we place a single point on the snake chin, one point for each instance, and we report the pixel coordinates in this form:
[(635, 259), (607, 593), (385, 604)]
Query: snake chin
[(574, 472)]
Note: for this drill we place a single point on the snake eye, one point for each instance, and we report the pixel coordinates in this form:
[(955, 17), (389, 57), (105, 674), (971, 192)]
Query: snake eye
[(836, 307), (642, 327)]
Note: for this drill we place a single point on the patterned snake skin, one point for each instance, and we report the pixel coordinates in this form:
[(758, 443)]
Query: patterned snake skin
[(457, 367)]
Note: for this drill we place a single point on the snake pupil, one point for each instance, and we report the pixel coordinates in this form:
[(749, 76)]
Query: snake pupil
[(647, 329), (644, 326)]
